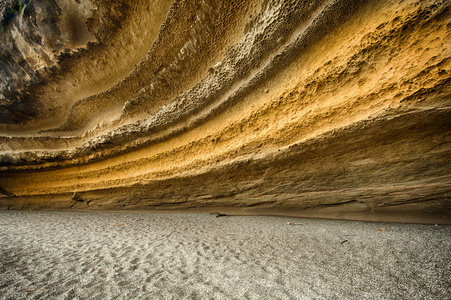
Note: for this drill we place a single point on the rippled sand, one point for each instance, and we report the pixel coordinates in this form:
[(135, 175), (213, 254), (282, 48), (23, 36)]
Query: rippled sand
[(67, 255)]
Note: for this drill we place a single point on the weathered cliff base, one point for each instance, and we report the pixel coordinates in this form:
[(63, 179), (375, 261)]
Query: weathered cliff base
[(333, 109)]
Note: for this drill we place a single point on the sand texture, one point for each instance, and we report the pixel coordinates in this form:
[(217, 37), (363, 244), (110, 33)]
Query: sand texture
[(74, 255), (266, 104)]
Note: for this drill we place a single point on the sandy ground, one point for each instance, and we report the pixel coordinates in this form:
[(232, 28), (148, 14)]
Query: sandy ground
[(68, 255)]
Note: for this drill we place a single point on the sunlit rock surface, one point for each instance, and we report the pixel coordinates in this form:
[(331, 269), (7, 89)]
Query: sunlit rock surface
[(336, 109)]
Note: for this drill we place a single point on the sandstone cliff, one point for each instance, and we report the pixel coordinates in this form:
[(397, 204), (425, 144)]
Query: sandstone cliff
[(330, 108)]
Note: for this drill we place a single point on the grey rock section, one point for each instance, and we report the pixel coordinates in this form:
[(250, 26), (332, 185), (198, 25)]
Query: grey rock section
[(34, 36)]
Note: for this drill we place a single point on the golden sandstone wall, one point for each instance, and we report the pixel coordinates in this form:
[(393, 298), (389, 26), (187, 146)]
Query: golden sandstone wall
[(336, 109)]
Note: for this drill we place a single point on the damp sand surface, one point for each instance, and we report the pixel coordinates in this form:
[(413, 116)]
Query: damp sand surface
[(77, 255)]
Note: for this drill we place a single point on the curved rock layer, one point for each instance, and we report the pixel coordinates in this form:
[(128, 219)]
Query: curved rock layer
[(329, 108)]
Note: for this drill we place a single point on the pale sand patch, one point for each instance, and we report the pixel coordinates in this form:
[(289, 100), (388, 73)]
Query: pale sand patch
[(74, 255)]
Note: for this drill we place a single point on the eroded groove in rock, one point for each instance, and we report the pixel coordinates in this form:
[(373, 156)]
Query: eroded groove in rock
[(325, 108)]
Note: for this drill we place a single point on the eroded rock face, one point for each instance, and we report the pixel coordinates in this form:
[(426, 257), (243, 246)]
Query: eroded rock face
[(322, 108), (35, 35)]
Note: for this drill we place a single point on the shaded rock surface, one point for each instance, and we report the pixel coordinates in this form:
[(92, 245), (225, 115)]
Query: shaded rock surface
[(336, 109)]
